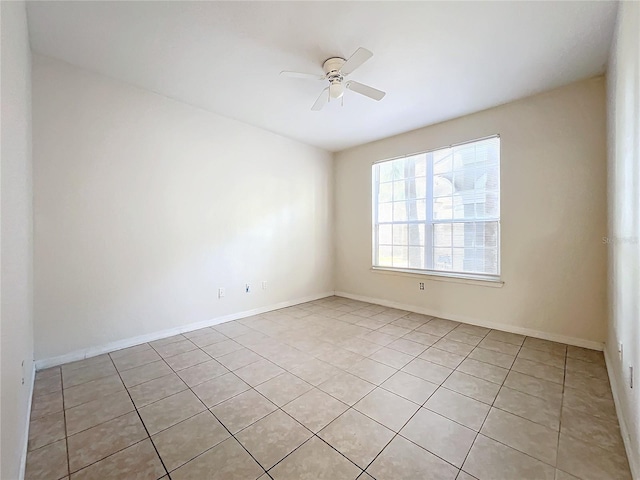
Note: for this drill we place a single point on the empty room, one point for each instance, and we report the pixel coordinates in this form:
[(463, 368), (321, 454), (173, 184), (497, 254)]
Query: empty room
[(320, 240)]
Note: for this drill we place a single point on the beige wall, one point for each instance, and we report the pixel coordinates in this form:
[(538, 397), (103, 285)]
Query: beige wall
[(16, 284), (623, 85), (144, 206), (553, 202)]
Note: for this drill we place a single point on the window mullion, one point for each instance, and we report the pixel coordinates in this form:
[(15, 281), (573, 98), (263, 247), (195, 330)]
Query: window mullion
[(428, 227)]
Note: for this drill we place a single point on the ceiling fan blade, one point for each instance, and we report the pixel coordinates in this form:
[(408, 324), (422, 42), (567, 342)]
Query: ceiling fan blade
[(322, 99), (358, 58), (310, 76), (365, 90)]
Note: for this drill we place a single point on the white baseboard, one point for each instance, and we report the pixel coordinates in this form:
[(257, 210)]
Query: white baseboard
[(578, 342), (634, 460), (130, 342), (25, 446)]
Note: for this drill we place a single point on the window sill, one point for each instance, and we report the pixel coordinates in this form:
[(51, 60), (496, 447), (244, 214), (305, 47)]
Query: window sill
[(441, 277)]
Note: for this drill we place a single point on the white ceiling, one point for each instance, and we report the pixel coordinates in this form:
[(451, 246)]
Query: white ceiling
[(435, 60)]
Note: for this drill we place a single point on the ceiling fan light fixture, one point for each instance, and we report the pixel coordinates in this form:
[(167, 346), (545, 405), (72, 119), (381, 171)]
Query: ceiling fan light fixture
[(336, 90)]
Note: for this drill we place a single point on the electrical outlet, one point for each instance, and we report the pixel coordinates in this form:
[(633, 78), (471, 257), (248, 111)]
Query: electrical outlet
[(221, 292), (247, 288), (421, 285), (264, 285)]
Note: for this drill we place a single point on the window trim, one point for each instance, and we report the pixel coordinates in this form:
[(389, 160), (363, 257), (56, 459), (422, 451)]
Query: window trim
[(463, 277)]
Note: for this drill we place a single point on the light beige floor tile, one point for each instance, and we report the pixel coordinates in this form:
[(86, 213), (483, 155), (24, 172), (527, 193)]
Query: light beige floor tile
[(198, 333), (360, 346), (315, 371), (422, 338), (156, 389), (443, 437), (387, 408), (381, 339), (175, 348), (534, 386), (167, 340), (427, 371), (219, 389), (347, 388), (259, 372), (137, 461), (539, 370), (483, 370), (463, 337), (587, 384), (501, 347), (208, 338), (315, 409), (46, 404), (408, 347), (473, 330), (585, 354), (239, 358), (47, 385), (394, 330), (188, 439), (545, 345), (93, 390), (491, 460), (560, 475), (232, 329), (506, 337), (130, 350), (144, 373), (594, 405), (86, 374), (48, 462), (315, 460), (494, 358), (127, 362), (48, 372), (473, 387), (271, 439), (452, 346), (587, 461), (242, 410), (531, 438), (542, 356), (392, 358), (170, 410), (357, 437), (283, 388), (372, 371), (536, 409), (587, 368), (403, 460), (99, 442), (187, 359), (442, 357), (435, 328), (459, 408), (604, 433), (87, 362), (202, 372), (410, 387), (340, 358), (222, 348), (98, 411)]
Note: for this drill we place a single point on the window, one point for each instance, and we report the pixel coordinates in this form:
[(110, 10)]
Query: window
[(439, 211)]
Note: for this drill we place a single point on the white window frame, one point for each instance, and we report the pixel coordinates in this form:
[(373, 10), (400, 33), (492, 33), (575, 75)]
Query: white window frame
[(429, 222)]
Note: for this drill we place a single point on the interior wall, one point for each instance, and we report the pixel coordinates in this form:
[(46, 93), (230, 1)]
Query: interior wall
[(145, 206), (16, 275), (553, 218), (623, 85)]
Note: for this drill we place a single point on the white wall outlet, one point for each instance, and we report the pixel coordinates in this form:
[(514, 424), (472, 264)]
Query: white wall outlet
[(247, 288), (421, 285), (264, 285), (221, 292)]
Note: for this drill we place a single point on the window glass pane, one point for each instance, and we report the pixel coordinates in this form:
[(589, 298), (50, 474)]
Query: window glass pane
[(399, 190), (442, 185), (384, 235), (400, 256), (398, 169), (385, 192), (399, 212), (421, 187), (385, 256), (416, 234), (442, 258), (400, 235), (442, 235), (458, 234), (442, 208), (385, 171), (416, 257), (384, 212), (421, 165), (442, 161)]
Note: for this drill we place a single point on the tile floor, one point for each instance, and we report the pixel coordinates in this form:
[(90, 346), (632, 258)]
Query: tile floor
[(331, 389)]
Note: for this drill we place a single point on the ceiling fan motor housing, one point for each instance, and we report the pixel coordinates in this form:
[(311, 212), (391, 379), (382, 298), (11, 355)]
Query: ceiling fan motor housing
[(332, 68)]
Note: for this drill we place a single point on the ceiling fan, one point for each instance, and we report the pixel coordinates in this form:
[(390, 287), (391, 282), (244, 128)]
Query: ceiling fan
[(335, 70)]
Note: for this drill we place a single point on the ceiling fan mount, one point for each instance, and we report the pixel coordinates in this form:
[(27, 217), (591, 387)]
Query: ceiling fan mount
[(335, 70)]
